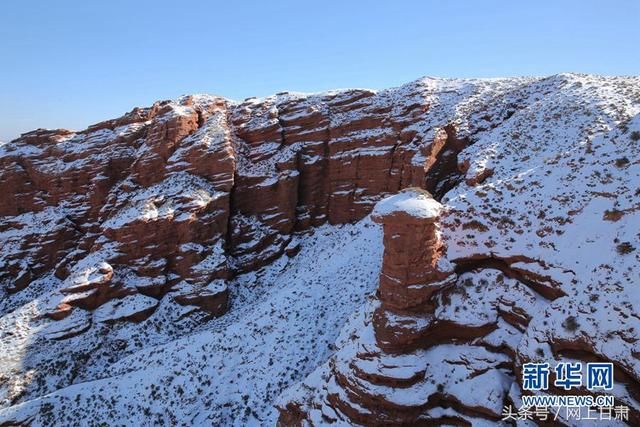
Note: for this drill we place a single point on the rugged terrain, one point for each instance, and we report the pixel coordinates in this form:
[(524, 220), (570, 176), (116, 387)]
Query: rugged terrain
[(204, 261)]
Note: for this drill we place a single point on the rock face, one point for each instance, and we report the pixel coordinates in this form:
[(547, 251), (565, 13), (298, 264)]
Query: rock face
[(213, 250), (431, 349), (472, 290), (412, 269), (176, 196)]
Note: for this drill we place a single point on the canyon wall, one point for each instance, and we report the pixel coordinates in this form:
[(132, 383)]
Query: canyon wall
[(523, 262), (179, 197), (443, 343), (511, 239)]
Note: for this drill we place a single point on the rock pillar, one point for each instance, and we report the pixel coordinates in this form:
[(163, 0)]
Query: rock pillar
[(413, 268)]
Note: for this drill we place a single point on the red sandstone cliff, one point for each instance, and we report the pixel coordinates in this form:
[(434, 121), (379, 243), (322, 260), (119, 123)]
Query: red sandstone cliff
[(126, 239), (183, 194), (496, 278)]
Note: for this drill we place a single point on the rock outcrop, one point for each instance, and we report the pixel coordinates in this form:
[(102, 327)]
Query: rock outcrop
[(511, 237), (413, 270), (400, 367), (473, 290), (433, 348), (186, 193)]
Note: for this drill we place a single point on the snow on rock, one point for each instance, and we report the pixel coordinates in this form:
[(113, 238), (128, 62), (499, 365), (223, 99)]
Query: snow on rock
[(76, 323), (542, 241), (229, 370), (413, 202), (122, 247), (132, 307), (212, 298)]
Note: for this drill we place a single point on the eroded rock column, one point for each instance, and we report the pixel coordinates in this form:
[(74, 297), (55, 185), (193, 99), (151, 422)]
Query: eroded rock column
[(411, 352), (413, 268)]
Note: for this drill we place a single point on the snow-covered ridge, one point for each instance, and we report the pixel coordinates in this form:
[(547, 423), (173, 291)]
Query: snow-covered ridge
[(124, 239)]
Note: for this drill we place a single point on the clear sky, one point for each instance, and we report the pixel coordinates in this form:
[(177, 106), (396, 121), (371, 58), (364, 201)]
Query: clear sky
[(72, 63)]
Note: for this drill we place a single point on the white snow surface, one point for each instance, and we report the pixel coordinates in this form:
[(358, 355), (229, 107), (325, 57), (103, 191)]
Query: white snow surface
[(229, 371), (411, 202), (562, 154), (549, 175)]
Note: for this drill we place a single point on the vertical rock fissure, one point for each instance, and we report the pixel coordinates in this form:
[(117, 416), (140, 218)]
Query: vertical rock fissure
[(444, 174)]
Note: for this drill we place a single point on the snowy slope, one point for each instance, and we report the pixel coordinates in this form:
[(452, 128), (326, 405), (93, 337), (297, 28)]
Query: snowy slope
[(283, 323), (540, 221), (544, 235)]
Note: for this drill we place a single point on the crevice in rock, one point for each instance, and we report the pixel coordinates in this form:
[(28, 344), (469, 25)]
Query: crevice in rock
[(550, 291), (444, 175), (281, 125), (201, 119)]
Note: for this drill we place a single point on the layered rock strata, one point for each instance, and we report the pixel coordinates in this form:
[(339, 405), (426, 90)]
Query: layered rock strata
[(413, 270), (443, 343), (179, 197), (126, 238)]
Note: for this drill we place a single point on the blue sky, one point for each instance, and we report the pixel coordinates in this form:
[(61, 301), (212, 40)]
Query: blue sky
[(71, 63)]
